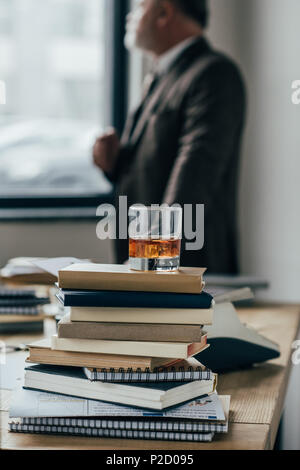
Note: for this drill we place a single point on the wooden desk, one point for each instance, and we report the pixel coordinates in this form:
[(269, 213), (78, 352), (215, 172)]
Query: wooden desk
[(257, 398)]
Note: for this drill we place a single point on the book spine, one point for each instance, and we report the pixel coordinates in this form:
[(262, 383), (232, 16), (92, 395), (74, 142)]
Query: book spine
[(112, 433), (140, 283), (129, 425), (131, 332), (152, 316), (136, 300), (128, 348)]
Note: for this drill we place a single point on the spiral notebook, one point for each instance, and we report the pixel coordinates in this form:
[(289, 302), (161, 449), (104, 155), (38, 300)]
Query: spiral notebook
[(16, 293), (32, 311), (20, 302), (182, 419), (184, 371), (130, 424), (112, 433)]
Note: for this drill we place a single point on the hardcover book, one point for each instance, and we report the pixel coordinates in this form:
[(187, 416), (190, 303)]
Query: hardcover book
[(130, 348), (166, 316), (130, 331), (115, 277), (40, 352), (73, 382), (101, 298)]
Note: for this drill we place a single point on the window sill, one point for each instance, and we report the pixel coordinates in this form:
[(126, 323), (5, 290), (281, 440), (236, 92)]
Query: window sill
[(51, 208)]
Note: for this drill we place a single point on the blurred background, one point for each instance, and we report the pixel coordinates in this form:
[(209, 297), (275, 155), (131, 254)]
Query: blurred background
[(68, 76)]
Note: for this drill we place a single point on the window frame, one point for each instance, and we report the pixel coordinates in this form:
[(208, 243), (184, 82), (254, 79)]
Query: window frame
[(30, 206)]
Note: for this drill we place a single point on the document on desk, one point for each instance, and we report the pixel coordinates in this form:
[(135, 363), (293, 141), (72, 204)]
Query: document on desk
[(34, 404), (54, 265), (26, 267)]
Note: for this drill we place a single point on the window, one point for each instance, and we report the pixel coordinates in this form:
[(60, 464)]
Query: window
[(54, 56)]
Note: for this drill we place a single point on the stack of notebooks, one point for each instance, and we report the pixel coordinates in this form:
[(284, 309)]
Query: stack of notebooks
[(20, 311), (129, 340)]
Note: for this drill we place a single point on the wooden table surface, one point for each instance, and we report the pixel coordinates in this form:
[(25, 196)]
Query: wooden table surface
[(257, 397)]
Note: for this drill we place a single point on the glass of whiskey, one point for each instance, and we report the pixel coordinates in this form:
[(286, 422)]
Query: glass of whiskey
[(155, 238)]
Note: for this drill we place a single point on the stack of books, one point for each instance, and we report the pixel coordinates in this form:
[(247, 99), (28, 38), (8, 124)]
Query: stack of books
[(129, 340), (20, 311)]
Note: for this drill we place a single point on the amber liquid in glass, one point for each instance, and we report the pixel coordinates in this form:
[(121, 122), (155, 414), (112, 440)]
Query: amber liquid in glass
[(152, 249)]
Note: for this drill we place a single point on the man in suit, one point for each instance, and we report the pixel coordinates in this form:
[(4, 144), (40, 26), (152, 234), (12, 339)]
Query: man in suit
[(182, 144)]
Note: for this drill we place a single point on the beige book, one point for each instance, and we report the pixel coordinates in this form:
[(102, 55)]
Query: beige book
[(130, 331), (114, 277), (129, 348), (40, 352), (191, 316)]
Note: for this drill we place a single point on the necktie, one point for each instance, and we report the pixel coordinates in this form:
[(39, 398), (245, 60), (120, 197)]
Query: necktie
[(151, 80)]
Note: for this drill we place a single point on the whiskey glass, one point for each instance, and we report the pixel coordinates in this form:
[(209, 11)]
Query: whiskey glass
[(155, 238)]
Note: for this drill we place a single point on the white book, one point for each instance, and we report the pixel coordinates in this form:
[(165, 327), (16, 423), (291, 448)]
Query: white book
[(73, 382), (128, 348), (190, 316)]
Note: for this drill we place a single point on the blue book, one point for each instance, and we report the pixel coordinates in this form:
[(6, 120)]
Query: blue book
[(74, 298)]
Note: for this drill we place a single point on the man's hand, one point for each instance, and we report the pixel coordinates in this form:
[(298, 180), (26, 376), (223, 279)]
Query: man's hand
[(106, 150)]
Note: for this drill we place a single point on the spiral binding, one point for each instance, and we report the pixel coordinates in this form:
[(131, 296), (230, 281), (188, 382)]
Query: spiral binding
[(112, 433), (129, 425), (32, 311), (157, 375), (12, 293)]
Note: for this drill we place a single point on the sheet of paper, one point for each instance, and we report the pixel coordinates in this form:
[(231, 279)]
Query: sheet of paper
[(53, 265), (221, 294), (34, 404)]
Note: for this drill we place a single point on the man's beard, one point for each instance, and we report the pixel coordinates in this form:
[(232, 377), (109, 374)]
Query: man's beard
[(130, 40), (131, 37)]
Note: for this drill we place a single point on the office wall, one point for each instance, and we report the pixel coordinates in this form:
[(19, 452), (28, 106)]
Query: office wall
[(53, 239), (264, 38)]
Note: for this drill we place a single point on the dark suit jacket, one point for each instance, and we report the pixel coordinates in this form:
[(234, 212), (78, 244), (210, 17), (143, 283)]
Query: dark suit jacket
[(183, 145)]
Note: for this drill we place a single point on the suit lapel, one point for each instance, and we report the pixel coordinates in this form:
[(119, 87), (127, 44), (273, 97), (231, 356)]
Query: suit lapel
[(140, 121), (150, 107), (130, 125)]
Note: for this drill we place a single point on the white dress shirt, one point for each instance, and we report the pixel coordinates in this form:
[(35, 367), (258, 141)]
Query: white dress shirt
[(166, 60)]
